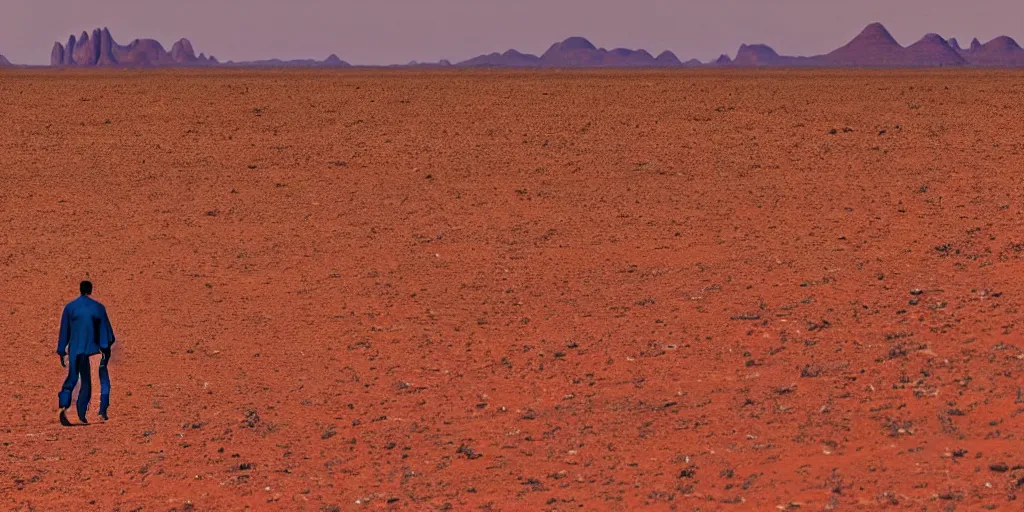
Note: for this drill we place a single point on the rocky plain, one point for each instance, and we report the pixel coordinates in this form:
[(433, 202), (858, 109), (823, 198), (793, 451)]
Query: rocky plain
[(504, 290)]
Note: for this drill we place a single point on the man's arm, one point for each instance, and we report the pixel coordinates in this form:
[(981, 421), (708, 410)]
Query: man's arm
[(106, 338), (106, 332), (65, 333)]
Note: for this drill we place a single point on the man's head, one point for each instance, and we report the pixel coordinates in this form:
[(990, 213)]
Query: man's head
[(85, 287)]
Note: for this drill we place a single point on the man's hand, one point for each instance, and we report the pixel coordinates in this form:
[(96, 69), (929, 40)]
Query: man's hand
[(63, 364), (106, 356)]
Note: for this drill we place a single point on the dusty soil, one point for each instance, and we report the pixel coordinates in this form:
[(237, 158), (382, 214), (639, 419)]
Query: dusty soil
[(501, 291)]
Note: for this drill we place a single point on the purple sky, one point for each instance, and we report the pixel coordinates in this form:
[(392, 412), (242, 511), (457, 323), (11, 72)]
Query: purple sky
[(397, 31)]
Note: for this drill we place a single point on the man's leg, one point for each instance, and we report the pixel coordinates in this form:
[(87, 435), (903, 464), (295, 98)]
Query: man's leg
[(104, 390), (69, 383), (85, 390)]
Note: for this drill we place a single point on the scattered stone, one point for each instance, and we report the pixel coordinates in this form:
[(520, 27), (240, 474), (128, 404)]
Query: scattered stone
[(470, 453)]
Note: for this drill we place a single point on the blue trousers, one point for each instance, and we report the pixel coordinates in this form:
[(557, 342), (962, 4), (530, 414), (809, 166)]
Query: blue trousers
[(78, 368)]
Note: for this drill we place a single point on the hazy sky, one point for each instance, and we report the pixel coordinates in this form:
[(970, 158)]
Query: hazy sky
[(397, 31)]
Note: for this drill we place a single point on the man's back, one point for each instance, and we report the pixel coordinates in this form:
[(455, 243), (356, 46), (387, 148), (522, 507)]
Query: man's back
[(84, 328)]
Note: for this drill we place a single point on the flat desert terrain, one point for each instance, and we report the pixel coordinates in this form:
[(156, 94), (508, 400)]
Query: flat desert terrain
[(483, 290)]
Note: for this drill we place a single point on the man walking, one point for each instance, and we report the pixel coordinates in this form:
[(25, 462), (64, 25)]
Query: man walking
[(84, 331)]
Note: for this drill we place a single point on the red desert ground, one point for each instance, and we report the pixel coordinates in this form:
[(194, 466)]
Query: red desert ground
[(427, 289)]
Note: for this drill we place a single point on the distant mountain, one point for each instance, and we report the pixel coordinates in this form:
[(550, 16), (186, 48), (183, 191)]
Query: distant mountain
[(955, 45), (100, 50), (4, 61), (932, 50), (722, 60), (667, 58), (873, 47), (576, 52), (443, 63), (759, 55), (332, 61), (1002, 51), (511, 58), (573, 52)]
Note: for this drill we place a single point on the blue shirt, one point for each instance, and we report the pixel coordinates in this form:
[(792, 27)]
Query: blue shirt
[(84, 328)]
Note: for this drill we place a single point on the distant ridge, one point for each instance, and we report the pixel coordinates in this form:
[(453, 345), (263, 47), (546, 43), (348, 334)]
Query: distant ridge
[(332, 61), (100, 50), (4, 61), (872, 47), (1002, 51), (576, 52)]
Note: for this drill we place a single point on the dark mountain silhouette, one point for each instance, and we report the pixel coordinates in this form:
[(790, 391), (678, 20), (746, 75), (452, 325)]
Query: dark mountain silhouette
[(511, 58), (1002, 51), (576, 52), (874, 46), (932, 50), (443, 63), (332, 61), (722, 60), (954, 44), (667, 58), (100, 50), (4, 61), (573, 52), (762, 55)]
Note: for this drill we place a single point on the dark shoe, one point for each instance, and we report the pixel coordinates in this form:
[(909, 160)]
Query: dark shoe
[(62, 416), (104, 417)]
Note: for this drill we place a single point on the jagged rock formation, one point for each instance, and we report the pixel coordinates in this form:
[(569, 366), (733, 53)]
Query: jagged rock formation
[(1002, 51), (722, 60), (100, 50), (954, 44), (932, 50)]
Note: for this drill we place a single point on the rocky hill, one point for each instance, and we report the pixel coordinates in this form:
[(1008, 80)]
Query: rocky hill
[(576, 52), (1002, 51), (875, 47), (100, 50), (4, 61)]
